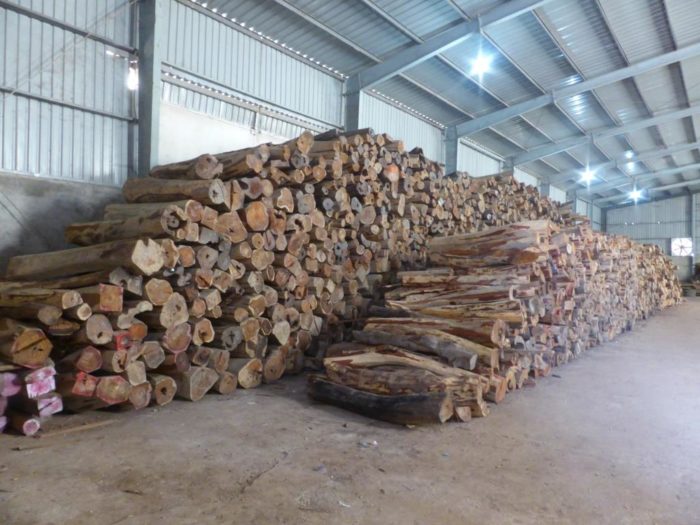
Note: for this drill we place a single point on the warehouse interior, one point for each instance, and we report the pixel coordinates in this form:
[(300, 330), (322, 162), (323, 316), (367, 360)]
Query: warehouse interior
[(563, 130)]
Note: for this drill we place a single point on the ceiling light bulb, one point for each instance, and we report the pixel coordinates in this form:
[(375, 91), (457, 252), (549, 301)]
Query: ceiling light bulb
[(635, 194), (481, 64), (588, 175), (629, 154)]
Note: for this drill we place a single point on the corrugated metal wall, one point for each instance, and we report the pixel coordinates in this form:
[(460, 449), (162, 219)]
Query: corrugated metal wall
[(655, 223), (591, 211), (524, 177), (215, 51), (385, 118), (476, 163), (230, 111), (65, 106), (557, 194)]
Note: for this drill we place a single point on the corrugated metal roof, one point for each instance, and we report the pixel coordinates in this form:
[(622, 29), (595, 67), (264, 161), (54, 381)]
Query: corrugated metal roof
[(421, 17), (528, 44), (557, 45), (504, 79), (591, 44)]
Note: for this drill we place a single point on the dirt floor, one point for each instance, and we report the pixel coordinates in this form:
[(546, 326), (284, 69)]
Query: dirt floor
[(613, 437)]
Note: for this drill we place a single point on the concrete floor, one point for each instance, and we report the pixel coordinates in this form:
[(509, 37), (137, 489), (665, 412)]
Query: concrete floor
[(611, 438)]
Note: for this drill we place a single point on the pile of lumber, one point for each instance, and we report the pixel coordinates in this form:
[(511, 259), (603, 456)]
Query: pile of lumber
[(227, 269), (500, 307)]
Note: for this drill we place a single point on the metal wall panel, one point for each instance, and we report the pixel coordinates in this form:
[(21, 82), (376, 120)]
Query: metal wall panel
[(524, 177), (656, 223), (64, 106), (557, 194), (106, 18), (476, 163), (593, 212), (198, 43), (582, 207), (229, 111), (385, 118)]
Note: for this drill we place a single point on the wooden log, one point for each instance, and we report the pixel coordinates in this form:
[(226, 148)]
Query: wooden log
[(20, 296), (78, 384), (218, 359), (121, 211), (25, 424), (158, 291), (488, 332), (114, 361), (208, 192), (41, 406), (113, 390), (171, 221), (38, 382), (44, 313), (177, 338), (82, 312), (173, 312), (152, 354), (410, 409), (140, 395), (64, 328), (23, 345), (202, 332), (164, 388), (451, 349), (226, 384), (86, 359), (10, 384), (135, 373), (203, 167), (103, 298), (231, 227), (141, 256), (96, 330), (194, 383), (275, 364), (248, 371)]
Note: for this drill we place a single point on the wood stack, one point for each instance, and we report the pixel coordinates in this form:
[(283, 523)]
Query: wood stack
[(503, 306), (226, 269)]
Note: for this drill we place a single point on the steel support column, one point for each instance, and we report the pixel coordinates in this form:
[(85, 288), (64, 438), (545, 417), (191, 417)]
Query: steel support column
[(150, 26), (451, 150), (352, 104)]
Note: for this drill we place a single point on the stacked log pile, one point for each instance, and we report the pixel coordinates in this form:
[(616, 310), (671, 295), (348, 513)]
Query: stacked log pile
[(501, 307), (224, 270)]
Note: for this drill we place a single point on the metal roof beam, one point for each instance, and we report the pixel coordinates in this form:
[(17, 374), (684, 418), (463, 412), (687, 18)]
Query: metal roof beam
[(621, 161), (414, 55), (642, 178), (487, 121), (666, 187), (558, 147)]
